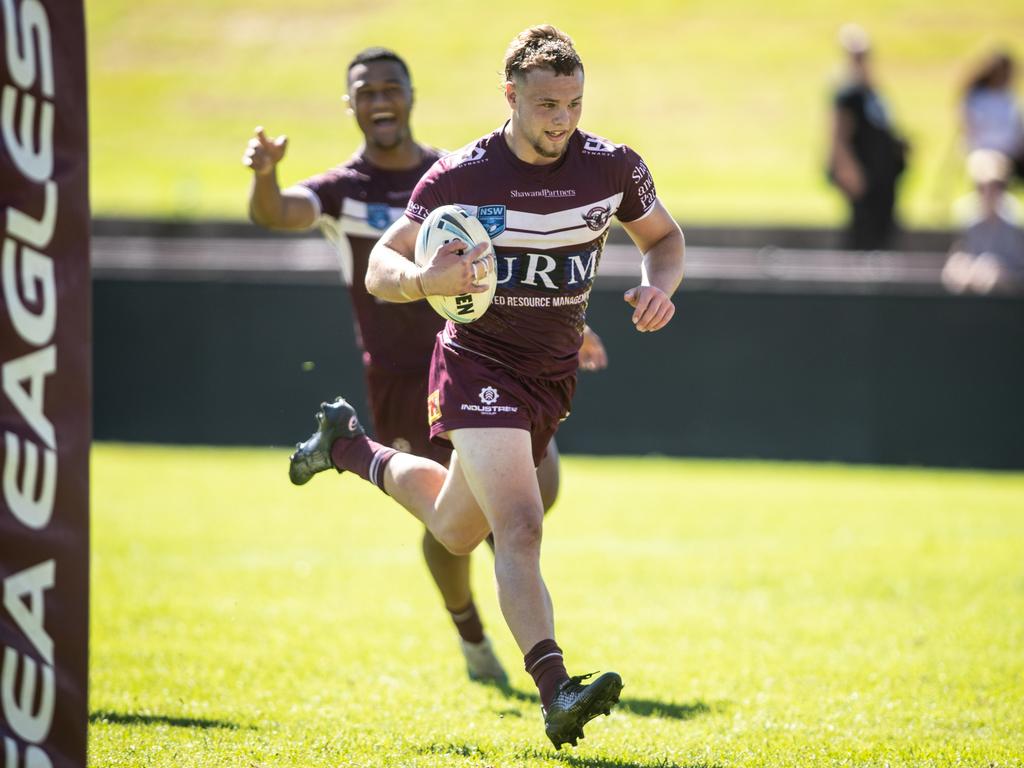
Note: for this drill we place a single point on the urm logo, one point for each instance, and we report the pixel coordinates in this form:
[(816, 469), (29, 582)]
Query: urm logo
[(547, 271)]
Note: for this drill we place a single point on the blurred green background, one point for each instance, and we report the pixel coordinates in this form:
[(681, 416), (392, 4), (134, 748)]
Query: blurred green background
[(726, 100)]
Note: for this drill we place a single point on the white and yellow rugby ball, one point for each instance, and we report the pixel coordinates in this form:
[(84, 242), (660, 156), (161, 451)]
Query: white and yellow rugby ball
[(444, 224)]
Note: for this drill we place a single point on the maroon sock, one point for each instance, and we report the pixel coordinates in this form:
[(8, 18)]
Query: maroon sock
[(363, 456), (467, 621), (544, 662)]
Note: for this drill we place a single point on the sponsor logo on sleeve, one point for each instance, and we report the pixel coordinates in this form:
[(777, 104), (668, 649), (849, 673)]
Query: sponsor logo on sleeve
[(641, 176), (598, 145), (433, 406), (493, 219), (489, 395), (378, 215), (417, 211), (472, 154)]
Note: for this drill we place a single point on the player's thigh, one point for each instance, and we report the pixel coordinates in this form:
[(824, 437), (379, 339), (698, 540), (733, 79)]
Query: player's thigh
[(460, 523), (497, 463), (548, 475)]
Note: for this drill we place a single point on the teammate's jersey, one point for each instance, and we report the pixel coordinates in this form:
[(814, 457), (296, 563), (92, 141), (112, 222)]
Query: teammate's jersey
[(548, 224), (358, 201)]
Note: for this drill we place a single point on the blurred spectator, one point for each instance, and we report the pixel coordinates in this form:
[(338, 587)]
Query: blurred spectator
[(866, 156), (990, 253), (990, 113)]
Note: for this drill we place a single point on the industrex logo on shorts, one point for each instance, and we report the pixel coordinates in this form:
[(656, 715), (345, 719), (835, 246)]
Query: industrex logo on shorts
[(488, 398)]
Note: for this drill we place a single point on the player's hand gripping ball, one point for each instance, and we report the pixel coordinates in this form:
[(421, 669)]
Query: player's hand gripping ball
[(447, 223)]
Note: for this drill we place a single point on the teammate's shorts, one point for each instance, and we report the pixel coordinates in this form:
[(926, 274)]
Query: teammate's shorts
[(471, 391), (397, 404)]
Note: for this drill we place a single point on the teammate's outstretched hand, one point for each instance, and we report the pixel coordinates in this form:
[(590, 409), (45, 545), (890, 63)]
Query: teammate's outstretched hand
[(263, 154), (593, 356), (652, 308), (453, 270)]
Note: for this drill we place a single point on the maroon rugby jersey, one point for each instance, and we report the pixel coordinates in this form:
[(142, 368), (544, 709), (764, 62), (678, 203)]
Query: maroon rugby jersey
[(358, 201), (548, 224)]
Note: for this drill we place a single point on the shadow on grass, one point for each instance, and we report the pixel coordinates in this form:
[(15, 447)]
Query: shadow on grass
[(130, 718), (579, 761), (565, 757), (641, 707)]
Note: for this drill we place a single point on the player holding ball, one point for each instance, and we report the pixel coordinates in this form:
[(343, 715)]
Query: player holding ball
[(545, 191), (353, 203)]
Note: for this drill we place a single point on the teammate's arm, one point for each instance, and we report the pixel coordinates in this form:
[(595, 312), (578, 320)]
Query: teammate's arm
[(393, 275), (269, 206), (593, 356), (660, 240)]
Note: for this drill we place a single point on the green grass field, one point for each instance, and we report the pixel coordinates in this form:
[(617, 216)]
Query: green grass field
[(726, 100), (760, 614)]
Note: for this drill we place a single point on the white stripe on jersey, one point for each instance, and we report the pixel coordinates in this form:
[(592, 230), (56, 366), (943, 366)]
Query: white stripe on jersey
[(353, 220), (552, 230), (331, 227), (351, 223)]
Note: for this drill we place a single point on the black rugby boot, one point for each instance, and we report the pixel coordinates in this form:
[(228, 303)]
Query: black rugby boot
[(333, 420), (576, 704)]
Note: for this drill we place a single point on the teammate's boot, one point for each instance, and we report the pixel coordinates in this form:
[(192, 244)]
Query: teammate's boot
[(577, 704), (481, 662), (333, 420)]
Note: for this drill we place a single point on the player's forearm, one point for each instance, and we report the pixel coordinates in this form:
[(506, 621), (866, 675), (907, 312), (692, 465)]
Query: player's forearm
[(664, 262), (392, 277), (266, 204)]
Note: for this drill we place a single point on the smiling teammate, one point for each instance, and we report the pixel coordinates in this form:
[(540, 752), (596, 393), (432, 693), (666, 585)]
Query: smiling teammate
[(499, 387), (354, 203)]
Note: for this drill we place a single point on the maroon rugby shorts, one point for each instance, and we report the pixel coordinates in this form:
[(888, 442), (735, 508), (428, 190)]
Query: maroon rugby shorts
[(467, 390), (397, 404)]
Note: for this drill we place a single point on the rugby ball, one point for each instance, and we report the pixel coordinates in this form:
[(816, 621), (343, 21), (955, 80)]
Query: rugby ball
[(444, 224)]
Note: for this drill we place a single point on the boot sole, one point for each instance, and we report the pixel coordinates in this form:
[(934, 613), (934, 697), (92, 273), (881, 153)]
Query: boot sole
[(600, 703)]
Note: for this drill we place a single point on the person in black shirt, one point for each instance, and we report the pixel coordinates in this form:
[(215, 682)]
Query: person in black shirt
[(867, 156)]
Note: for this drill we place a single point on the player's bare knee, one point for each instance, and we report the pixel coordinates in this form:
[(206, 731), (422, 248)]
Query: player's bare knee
[(521, 532)]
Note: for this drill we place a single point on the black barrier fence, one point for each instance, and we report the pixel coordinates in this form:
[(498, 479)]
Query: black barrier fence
[(774, 355)]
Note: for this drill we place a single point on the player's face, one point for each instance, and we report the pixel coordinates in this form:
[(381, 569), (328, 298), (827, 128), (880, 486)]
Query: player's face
[(380, 97), (546, 109)]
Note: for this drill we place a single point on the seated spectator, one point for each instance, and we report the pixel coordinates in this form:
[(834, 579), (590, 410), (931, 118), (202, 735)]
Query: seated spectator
[(990, 254), (990, 113)]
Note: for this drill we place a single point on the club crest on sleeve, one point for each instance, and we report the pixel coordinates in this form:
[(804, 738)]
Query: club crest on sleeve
[(493, 219), (378, 216)]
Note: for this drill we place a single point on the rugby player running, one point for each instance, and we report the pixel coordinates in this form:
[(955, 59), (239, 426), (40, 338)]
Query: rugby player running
[(499, 387), (354, 203)]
